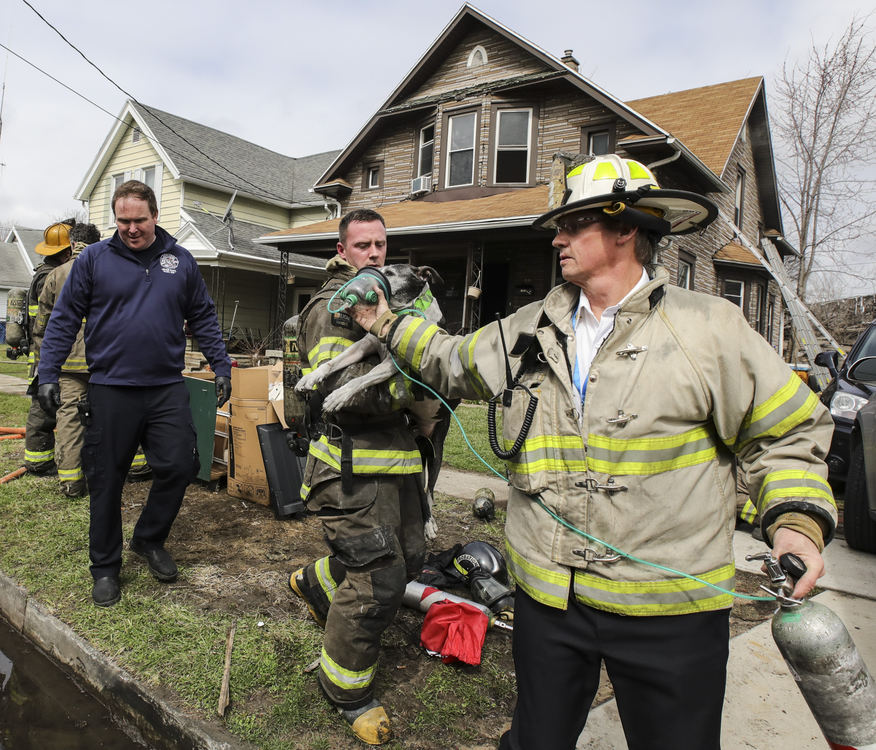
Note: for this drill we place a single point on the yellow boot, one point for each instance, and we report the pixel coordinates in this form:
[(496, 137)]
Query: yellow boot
[(296, 583), (369, 723)]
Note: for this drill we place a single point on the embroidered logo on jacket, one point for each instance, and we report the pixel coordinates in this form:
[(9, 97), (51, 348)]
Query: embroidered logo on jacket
[(169, 262)]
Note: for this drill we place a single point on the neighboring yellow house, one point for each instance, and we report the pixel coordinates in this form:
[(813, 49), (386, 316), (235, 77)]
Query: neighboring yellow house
[(217, 192)]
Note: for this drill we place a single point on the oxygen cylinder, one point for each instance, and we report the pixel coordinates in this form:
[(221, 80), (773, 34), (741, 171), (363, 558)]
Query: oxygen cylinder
[(294, 406), (829, 671), (420, 596), (16, 316), (484, 505)]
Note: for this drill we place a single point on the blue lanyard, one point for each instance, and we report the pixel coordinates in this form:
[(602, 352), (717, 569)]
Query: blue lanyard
[(579, 382)]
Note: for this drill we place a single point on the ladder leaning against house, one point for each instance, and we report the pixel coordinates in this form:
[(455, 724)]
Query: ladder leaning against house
[(803, 321)]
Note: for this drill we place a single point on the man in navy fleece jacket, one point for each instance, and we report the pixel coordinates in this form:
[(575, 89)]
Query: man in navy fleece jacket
[(136, 291)]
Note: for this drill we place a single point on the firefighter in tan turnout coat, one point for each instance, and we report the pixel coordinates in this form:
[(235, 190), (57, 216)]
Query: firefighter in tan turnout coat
[(647, 393)]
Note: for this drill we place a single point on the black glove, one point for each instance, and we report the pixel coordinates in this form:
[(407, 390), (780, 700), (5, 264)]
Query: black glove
[(223, 389), (49, 396)]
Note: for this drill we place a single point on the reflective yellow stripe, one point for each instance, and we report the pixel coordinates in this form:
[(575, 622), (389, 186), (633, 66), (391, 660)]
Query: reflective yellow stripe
[(748, 512), (32, 310), (37, 456), (324, 576), (327, 348), (791, 405), (605, 171), (139, 461), (70, 475), (546, 586), (641, 456), (305, 491), (793, 483), (465, 352), (550, 453), (368, 460), (674, 596), (346, 679), (637, 171)]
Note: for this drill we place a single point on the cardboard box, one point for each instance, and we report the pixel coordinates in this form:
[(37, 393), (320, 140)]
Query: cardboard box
[(246, 469), (250, 382)]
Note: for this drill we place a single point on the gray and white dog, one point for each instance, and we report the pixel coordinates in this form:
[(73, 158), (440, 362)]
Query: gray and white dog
[(408, 284)]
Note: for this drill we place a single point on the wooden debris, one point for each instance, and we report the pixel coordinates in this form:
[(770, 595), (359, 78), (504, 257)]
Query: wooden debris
[(224, 693)]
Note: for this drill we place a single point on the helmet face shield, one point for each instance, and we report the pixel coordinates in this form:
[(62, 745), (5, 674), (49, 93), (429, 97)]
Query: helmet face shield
[(623, 188)]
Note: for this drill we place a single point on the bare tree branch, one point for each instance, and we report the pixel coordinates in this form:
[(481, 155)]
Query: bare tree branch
[(826, 138)]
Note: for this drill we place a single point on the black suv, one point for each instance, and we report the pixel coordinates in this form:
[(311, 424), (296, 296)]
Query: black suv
[(845, 396)]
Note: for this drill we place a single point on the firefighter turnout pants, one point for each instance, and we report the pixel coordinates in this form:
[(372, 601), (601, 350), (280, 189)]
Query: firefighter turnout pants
[(159, 419), (39, 440), (69, 433), (668, 674), (377, 546)]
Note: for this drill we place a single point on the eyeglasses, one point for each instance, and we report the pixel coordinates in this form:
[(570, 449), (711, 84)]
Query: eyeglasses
[(574, 225)]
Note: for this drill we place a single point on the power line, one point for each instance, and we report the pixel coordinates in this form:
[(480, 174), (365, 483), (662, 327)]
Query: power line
[(263, 191), (165, 146)]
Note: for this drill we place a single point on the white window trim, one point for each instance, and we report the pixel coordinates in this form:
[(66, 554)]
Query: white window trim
[(450, 152), (422, 145), (527, 147), (741, 303), (135, 174), (739, 197), (690, 269)]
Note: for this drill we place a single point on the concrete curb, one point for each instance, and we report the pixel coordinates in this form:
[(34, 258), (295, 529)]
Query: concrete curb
[(155, 722)]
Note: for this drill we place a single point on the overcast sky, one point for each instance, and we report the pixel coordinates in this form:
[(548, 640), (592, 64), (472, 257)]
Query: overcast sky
[(302, 77)]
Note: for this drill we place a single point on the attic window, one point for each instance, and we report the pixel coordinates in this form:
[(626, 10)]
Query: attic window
[(135, 135), (477, 57)]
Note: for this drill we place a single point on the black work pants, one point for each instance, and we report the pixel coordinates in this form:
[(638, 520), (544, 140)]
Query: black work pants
[(668, 674), (159, 419)]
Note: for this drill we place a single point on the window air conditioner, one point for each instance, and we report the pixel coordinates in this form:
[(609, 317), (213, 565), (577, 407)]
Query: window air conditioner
[(422, 184)]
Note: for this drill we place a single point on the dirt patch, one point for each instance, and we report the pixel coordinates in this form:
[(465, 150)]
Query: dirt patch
[(236, 559)]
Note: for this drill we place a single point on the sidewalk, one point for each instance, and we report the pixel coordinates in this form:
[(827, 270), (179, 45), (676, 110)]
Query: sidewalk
[(13, 385), (763, 708)]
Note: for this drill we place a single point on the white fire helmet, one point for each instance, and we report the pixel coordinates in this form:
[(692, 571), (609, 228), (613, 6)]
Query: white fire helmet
[(627, 190)]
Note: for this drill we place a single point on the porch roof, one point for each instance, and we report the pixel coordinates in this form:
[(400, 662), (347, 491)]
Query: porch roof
[(518, 208)]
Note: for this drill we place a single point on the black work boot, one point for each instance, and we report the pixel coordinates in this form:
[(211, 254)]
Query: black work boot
[(160, 562), (106, 591)]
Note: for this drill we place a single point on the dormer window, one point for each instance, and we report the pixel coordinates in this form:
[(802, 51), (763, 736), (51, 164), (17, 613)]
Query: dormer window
[(477, 57)]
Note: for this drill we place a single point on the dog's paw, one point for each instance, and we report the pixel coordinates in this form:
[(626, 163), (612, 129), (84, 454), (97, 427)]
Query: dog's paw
[(338, 399), (430, 530), (311, 380)]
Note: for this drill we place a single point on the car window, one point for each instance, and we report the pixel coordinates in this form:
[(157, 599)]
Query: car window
[(867, 344)]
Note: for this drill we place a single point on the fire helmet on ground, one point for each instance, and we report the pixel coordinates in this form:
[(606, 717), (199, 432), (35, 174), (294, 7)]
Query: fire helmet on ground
[(481, 558), (627, 190)]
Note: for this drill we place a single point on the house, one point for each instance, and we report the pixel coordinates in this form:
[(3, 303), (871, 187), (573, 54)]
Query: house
[(458, 159), (17, 261), (216, 193)]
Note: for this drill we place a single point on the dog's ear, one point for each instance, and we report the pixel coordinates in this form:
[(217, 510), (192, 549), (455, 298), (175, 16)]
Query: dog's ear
[(431, 276)]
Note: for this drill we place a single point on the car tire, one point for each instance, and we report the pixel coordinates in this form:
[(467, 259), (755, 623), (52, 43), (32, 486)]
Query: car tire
[(860, 529)]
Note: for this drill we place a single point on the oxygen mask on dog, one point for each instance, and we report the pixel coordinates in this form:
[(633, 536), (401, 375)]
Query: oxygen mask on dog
[(360, 289)]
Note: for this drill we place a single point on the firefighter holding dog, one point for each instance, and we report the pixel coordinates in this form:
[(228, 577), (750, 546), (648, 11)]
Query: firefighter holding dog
[(364, 480), (646, 394)]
